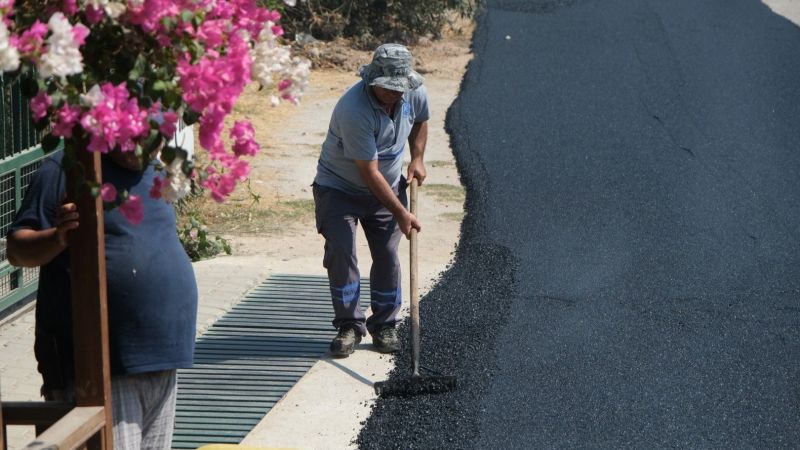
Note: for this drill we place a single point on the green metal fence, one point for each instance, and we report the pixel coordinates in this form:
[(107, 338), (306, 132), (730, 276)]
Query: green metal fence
[(21, 156)]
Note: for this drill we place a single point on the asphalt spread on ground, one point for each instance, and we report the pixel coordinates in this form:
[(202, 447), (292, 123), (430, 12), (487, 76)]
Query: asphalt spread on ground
[(628, 271)]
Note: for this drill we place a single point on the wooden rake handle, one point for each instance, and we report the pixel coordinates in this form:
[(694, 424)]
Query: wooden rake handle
[(413, 282)]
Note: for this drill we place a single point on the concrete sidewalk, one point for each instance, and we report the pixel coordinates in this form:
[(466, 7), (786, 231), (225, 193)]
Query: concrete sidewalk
[(221, 283), (326, 408)]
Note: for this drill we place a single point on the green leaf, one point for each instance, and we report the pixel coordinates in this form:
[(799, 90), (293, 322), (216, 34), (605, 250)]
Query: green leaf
[(186, 15), (75, 80), (226, 246), (139, 69), (152, 142), (171, 99), (190, 117), (168, 23), (57, 99), (50, 142), (168, 154), (29, 87), (42, 124), (160, 86), (187, 167)]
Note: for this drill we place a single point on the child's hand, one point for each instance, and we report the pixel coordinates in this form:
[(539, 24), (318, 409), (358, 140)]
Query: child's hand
[(66, 219)]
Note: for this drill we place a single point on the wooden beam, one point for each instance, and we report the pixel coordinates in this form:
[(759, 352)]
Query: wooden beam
[(34, 413), (89, 300), (72, 431)]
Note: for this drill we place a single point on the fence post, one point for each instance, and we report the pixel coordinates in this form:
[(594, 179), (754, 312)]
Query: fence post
[(89, 307), (3, 443)]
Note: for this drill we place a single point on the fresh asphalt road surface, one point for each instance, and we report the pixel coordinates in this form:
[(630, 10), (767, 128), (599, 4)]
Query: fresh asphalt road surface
[(635, 164)]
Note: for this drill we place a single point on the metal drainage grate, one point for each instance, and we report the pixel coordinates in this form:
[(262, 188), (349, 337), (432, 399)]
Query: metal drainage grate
[(251, 357)]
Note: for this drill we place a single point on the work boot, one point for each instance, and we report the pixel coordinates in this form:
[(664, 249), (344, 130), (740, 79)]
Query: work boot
[(344, 344), (385, 339)]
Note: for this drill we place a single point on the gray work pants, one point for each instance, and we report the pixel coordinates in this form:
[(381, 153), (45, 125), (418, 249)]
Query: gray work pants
[(338, 215)]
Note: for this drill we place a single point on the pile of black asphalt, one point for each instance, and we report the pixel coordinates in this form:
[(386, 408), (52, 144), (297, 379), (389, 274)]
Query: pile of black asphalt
[(628, 274)]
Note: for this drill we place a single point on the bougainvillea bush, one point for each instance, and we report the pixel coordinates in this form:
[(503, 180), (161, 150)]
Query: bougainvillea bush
[(107, 76)]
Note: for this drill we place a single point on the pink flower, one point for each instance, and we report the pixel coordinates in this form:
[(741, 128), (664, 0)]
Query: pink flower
[(211, 129), (79, 33), (245, 148), (284, 84), (164, 40), (212, 85), (273, 16), (39, 104), (115, 119), (94, 15), (242, 130), (239, 170), (108, 192), (244, 139), (157, 187), (148, 13), (31, 40), (132, 209), (212, 32), (220, 186), (167, 127), (65, 119), (70, 7), (224, 187), (6, 6)]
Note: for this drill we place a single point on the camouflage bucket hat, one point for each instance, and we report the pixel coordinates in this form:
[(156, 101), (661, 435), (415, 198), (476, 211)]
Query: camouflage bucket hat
[(391, 69)]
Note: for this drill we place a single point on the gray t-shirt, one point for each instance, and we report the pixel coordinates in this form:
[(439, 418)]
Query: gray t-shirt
[(361, 130)]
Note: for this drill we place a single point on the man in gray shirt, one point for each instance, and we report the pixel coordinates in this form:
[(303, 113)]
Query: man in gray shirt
[(359, 179)]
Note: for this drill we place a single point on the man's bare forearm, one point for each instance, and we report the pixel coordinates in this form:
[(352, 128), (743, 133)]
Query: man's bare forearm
[(33, 248)]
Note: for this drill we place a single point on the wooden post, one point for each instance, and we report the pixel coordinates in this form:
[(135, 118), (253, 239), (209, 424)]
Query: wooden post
[(89, 307), (3, 443)]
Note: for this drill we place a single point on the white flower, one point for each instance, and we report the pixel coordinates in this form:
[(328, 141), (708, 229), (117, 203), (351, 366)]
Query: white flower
[(298, 74), (178, 184), (268, 57), (273, 63), (112, 9), (92, 98), (63, 56), (9, 55)]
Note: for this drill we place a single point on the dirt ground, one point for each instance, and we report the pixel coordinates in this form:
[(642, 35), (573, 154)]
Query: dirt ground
[(273, 214)]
